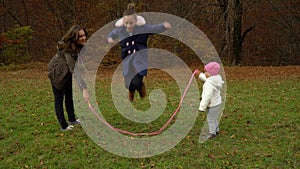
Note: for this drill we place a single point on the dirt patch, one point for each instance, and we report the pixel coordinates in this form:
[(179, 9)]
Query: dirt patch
[(257, 72), (39, 70)]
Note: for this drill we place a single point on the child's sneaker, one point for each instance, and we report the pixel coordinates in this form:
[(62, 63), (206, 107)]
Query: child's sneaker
[(70, 127), (211, 136), (74, 122)]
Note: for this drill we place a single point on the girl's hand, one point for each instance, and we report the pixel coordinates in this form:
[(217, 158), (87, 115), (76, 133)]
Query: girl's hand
[(167, 25), (197, 72), (110, 40), (207, 74), (202, 77)]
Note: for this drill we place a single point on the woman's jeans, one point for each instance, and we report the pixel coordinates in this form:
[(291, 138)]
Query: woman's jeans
[(65, 94)]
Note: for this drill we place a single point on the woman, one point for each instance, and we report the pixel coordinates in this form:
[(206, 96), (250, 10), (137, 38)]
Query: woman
[(60, 70)]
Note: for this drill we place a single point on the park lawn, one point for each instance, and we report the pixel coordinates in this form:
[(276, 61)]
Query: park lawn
[(259, 129)]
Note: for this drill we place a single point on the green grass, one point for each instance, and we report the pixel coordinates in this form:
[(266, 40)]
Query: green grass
[(259, 129)]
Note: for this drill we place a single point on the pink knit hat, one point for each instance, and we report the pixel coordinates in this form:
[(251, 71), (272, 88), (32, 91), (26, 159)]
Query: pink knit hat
[(212, 68)]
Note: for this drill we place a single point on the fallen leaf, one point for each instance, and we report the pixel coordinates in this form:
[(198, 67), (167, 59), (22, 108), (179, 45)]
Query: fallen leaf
[(212, 156), (267, 155)]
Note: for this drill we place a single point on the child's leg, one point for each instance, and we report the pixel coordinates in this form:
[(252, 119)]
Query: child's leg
[(212, 118), (217, 124), (142, 92), (137, 84), (128, 80)]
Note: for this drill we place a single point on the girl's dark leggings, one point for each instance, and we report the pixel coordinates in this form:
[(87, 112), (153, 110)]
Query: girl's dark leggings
[(136, 83)]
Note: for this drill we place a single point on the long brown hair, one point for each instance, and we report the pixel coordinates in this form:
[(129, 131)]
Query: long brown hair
[(69, 40)]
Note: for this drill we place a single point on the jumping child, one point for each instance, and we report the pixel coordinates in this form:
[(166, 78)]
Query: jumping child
[(133, 41)]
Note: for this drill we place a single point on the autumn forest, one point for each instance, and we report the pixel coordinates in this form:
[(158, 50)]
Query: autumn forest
[(244, 32)]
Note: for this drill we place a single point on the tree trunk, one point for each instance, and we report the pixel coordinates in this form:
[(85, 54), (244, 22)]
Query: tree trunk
[(232, 46), (237, 32)]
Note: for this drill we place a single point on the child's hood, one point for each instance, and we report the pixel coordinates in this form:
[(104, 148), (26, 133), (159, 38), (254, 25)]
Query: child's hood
[(216, 81)]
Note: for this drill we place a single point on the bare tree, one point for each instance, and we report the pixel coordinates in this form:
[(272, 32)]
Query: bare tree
[(286, 16), (233, 37), (11, 13)]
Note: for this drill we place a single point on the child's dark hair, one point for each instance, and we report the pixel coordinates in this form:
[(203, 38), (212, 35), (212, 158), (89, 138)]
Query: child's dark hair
[(131, 6), (130, 10)]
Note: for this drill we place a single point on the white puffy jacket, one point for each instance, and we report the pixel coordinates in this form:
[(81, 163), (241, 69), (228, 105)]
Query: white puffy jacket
[(211, 91)]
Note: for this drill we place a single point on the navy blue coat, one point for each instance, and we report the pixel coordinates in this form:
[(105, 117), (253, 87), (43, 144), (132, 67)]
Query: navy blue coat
[(135, 58)]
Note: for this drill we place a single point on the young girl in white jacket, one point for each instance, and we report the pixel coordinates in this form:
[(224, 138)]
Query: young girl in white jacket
[(211, 96)]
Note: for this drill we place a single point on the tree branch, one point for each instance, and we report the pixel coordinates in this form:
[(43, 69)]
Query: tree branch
[(246, 32), (11, 14)]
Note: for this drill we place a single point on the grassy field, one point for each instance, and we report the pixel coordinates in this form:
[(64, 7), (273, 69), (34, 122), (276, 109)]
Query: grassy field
[(259, 129)]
